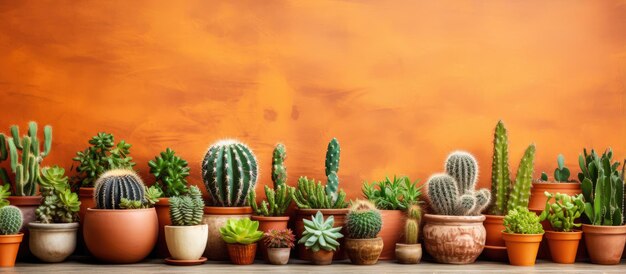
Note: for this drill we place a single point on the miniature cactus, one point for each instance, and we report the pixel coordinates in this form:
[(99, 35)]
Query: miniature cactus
[(279, 171), (115, 185), (363, 220), (412, 226), (332, 167), (279, 198), (188, 209), (27, 169), (445, 199), (561, 173), (309, 194), (10, 220), (523, 179), (462, 166), (229, 172)]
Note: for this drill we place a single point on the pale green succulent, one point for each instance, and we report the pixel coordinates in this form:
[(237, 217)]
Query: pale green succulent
[(320, 234)]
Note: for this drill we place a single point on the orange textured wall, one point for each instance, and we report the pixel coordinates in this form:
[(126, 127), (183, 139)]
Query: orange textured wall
[(399, 83)]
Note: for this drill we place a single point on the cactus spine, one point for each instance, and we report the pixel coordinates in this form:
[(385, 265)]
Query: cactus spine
[(463, 167), (363, 220), (500, 178), (27, 171), (332, 167), (115, 185), (229, 172), (412, 226), (523, 179), (10, 220)]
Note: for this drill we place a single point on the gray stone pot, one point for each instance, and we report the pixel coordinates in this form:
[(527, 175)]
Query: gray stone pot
[(52, 243)]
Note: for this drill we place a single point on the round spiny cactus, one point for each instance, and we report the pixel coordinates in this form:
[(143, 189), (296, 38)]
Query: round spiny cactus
[(363, 220), (10, 220), (462, 166), (115, 185)]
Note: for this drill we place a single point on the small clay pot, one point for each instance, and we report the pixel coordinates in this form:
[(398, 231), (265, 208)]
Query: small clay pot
[(241, 254), (563, 245), (454, 239), (408, 253), (52, 243), (364, 251), (265, 224), (322, 257), (393, 221), (605, 244), (215, 218), (522, 248), (186, 242), (27, 205), (85, 195), (278, 256), (495, 249), (538, 198), (162, 208), (340, 220), (9, 246)]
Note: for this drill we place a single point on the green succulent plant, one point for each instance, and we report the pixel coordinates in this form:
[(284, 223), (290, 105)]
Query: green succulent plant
[(131, 204), (561, 173), (603, 188), (398, 194), (170, 172), (11, 220), (563, 211), (4, 175), (319, 234), (187, 209), (277, 199), (5, 192), (282, 238), (521, 221), (60, 204), (150, 197), (241, 231), (102, 155)]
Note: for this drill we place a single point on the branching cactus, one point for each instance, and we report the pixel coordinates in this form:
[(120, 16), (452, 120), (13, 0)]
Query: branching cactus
[(11, 220), (115, 185), (463, 167), (279, 198), (229, 172), (332, 167), (412, 226), (445, 198), (26, 156), (520, 193), (363, 220)]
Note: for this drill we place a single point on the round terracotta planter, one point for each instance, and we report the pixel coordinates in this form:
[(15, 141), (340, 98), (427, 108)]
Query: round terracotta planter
[(495, 249), (605, 244), (120, 236), (215, 218), (522, 248), (27, 205), (9, 246), (408, 253), (364, 251), (278, 256), (322, 257), (563, 245), (52, 243), (454, 239), (393, 223), (162, 208), (241, 254), (538, 198), (85, 195), (340, 220), (267, 223), (186, 242)]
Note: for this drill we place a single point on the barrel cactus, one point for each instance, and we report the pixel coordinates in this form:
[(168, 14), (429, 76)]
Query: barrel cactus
[(115, 185), (229, 172), (363, 220), (10, 220)]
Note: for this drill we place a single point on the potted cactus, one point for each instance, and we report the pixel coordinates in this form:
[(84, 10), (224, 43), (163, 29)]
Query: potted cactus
[(603, 189), (53, 235), (522, 235), (563, 239), (410, 251), (454, 233), (11, 220), (505, 196), (123, 227), (363, 222), (229, 172), (321, 237), (186, 236), (279, 244), (561, 184), (311, 196), (241, 235), (170, 173), (392, 198)]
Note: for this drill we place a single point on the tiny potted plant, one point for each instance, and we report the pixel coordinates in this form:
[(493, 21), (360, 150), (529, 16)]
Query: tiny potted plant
[(241, 236), (410, 251), (392, 198), (561, 184), (363, 223), (186, 236), (11, 220), (279, 244), (522, 235), (53, 235), (562, 213), (320, 236)]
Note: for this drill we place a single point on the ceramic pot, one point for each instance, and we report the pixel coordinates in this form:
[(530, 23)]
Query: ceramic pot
[(364, 251), (563, 245), (52, 243), (538, 199), (454, 239), (120, 236), (393, 221), (9, 246), (215, 218), (186, 242), (495, 249), (605, 244), (241, 254), (322, 257), (162, 208), (85, 195), (340, 220), (522, 248), (278, 256), (267, 223), (27, 205), (408, 253)]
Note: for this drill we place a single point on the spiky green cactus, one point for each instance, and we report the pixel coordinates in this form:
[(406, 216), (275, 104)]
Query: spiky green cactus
[(462, 166), (279, 171), (310, 194), (412, 226), (500, 177), (188, 209), (445, 198), (363, 220), (603, 188), (279, 198), (332, 167), (26, 156), (10, 220), (115, 185), (520, 193), (4, 176), (229, 172)]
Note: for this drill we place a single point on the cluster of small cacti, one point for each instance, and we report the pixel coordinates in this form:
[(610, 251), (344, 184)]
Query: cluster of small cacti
[(279, 198), (412, 225), (603, 188), (10, 220), (229, 172), (188, 209), (117, 184), (59, 204), (363, 220)]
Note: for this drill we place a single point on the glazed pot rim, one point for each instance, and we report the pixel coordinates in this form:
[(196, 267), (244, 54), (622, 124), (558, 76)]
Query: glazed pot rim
[(270, 218), (235, 210), (452, 218), (54, 226), (120, 210), (185, 226), (330, 211)]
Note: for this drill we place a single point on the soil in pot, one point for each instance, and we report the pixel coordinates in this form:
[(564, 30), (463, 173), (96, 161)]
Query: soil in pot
[(267, 223), (186, 242), (278, 256), (364, 251), (9, 246), (340, 220), (215, 218), (538, 198), (27, 205), (393, 222), (522, 248), (563, 245), (241, 254), (605, 244), (408, 253), (454, 239), (52, 243), (162, 208), (322, 257)]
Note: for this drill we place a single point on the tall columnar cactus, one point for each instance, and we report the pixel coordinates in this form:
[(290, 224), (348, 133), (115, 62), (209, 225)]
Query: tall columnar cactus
[(363, 220), (279, 171), (332, 167), (500, 177), (10, 220), (115, 185), (520, 193), (602, 187), (4, 176), (412, 226), (279, 198), (462, 166), (26, 169), (229, 172)]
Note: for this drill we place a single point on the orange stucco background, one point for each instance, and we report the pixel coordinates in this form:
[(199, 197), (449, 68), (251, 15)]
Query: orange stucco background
[(399, 83)]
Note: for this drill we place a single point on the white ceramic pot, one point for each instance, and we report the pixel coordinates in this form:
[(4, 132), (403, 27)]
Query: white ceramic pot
[(186, 242), (52, 243)]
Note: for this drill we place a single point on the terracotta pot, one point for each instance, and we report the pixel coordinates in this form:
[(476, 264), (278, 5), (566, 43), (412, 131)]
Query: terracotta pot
[(522, 248), (408, 253), (186, 242), (241, 254), (322, 257), (538, 198), (454, 239), (267, 223), (364, 251), (495, 249), (9, 246), (85, 195), (278, 256), (605, 244), (27, 205), (340, 220), (162, 208), (120, 236), (52, 243), (393, 222), (563, 245), (215, 218)]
